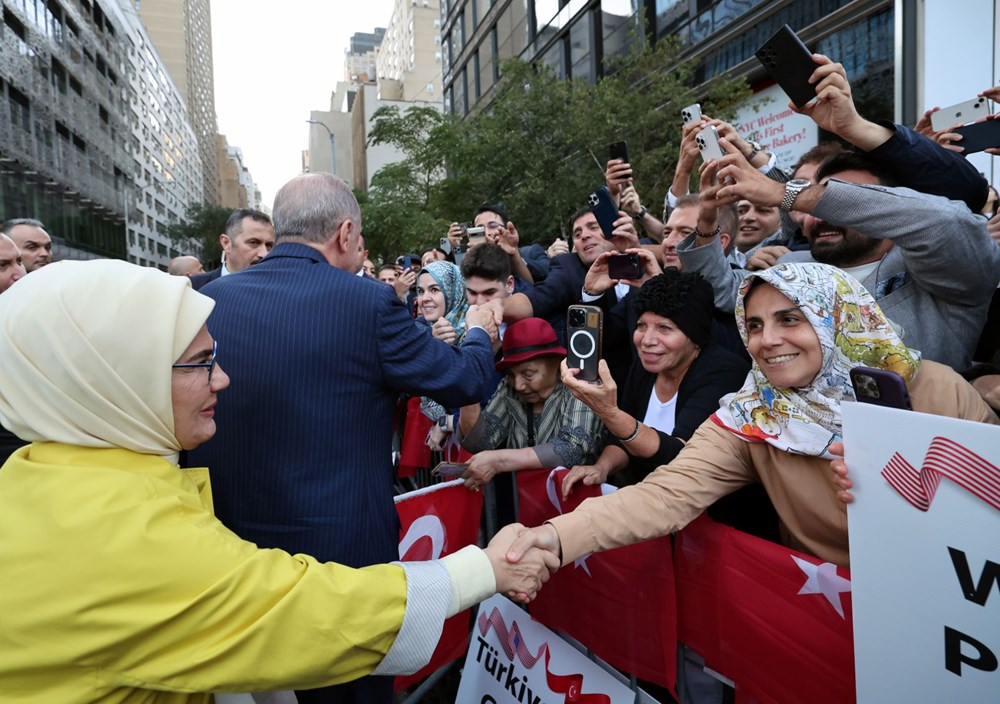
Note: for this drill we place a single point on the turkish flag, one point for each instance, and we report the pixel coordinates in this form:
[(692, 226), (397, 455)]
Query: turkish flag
[(434, 522), (775, 621), (414, 453), (619, 603)]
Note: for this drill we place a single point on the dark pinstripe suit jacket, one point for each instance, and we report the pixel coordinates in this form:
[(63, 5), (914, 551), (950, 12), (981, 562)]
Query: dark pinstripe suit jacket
[(317, 357)]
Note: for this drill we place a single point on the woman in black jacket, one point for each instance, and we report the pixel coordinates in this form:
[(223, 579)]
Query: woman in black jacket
[(673, 386)]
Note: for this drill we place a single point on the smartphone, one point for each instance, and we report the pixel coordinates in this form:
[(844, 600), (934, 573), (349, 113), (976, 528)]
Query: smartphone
[(625, 266), (477, 235), (584, 325), (708, 144), (790, 63), (978, 136), (692, 113), (880, 387), (960, 114), (602, 205), (619, 150), (449, 469), (445, 245)]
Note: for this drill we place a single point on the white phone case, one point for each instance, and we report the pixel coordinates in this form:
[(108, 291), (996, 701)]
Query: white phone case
[(708, 144), (692, 113), (960, 114)]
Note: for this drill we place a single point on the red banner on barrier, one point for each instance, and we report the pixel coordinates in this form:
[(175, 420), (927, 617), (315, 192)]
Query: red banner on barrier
[(434, 522), (775, 621), (620, 603)]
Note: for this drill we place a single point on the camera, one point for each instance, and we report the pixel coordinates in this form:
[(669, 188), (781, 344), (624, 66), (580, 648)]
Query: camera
[(577, 318), (867, 386)]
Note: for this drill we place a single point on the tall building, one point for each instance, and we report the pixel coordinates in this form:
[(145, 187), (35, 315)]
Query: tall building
[(408, 61), (359, 63), (182, 33), (93, 133), (900, 56), (236, 184)]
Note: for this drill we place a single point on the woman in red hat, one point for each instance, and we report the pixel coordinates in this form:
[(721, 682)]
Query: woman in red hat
[(532, 421)]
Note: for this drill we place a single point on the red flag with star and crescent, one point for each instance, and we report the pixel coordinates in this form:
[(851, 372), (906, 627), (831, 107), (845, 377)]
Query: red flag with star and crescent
[(619, 603), (435, 522), (775, 621)]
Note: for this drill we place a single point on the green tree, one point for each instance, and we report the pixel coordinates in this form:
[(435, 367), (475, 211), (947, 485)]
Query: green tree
[(540, 148), (199, 232)]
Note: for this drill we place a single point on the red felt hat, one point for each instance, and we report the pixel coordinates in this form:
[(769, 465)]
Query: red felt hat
[(527, 339)]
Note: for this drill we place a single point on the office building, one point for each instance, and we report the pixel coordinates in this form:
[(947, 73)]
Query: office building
[(408, 61), (93, 134), (181, 30)]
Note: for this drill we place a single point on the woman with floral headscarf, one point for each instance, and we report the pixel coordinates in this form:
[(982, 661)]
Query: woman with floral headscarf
[(805, 326)]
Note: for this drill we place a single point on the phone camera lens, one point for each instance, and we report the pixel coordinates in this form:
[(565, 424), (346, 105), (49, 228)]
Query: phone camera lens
[(577, 318)]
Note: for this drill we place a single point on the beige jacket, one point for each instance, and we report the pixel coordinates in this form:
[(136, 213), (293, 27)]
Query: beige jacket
[(716, 462)]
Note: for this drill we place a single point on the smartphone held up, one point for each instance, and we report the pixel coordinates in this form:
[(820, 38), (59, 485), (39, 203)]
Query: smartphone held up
[(602, 205), (584, 339)]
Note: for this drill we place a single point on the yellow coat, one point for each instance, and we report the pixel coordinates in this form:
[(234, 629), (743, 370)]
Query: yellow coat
[(118, 584)]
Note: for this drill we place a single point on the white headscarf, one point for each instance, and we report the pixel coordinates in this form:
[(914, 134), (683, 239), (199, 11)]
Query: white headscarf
[(86, 350)]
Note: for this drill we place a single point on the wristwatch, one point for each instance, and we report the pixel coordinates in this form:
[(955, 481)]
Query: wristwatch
[(755, 149), (641, 214), (792, 190)]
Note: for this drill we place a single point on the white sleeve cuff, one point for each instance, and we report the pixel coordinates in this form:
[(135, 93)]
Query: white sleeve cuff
[(588, 298), (472, 578), (771, 163), (671, 198), (428, 590)]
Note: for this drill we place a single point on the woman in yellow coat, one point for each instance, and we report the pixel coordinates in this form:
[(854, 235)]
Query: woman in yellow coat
[(117, 583)]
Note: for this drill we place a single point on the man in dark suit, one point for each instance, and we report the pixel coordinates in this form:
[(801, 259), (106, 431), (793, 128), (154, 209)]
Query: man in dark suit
[(318, 357), (249, 236), (564, 286)]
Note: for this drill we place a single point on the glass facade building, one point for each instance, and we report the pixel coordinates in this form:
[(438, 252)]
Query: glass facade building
[(92, 132), (575, 37)]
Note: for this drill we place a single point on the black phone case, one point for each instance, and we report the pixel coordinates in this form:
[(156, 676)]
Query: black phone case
[(788, 60), (619, 150), (603, 208), (979, 136), (889, 390), (625, 266), (584, 345)]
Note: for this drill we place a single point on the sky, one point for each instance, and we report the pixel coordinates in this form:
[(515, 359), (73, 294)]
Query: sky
[(274, 62)]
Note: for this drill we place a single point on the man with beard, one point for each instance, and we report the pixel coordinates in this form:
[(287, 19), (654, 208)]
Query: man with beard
[(927, 259)]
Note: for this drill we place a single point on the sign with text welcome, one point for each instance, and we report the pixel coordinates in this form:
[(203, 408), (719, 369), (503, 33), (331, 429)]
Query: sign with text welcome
[(513, 659), (925, 555)]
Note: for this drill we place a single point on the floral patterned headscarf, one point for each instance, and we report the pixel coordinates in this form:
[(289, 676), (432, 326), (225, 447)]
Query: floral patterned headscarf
[(449, 278), (852, 330)]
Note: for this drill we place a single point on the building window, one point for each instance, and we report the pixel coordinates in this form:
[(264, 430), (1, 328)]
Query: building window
[(579, 48), (486, 64)]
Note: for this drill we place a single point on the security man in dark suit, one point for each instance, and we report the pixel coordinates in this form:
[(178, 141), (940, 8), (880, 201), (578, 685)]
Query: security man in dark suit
[(249, 236), (318, 357)]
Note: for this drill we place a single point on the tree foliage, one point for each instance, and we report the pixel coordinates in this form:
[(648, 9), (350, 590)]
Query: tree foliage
[(198, 233), (540, 148)]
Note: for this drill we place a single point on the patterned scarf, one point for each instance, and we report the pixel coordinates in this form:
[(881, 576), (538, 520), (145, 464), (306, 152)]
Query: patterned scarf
[(852, 330), (452, 283)]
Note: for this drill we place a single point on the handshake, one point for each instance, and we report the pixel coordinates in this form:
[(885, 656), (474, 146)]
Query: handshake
[(523, 559)]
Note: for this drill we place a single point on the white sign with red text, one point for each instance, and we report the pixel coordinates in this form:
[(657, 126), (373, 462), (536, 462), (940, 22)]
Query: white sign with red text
[(925, 555), (513, 659), (766, 118)]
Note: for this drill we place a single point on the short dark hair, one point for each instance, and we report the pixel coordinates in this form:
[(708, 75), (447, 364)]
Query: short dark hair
[(728, 218), (14, 222), (853, 161), (487, 261), (492, 208), (384, 267), (576, 216), (818, 154), (691, 200), (234, 225)]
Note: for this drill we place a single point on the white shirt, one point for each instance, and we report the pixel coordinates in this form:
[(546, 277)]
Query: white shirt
[(661, 415)]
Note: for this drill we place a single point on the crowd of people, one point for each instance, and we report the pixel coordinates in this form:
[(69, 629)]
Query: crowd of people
[(726, 361)]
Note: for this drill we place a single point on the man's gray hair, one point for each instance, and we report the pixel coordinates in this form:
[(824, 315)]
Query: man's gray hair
[(312, 207), (11, 224)]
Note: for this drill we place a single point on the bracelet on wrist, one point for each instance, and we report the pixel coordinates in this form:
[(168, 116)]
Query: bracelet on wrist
[(708, 235), (588, 293), (635, 433)]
